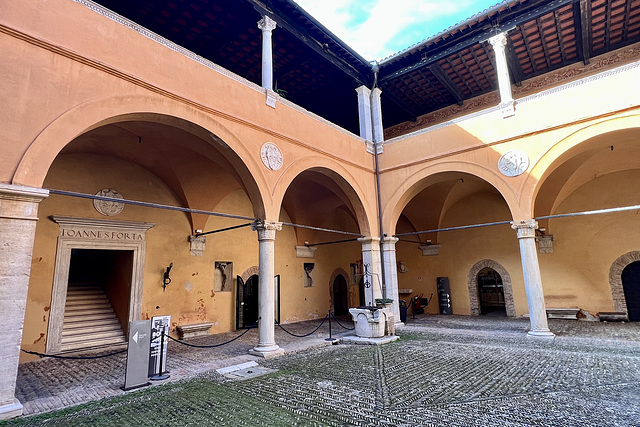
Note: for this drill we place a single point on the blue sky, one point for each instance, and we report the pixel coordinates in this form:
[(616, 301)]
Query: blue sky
[(379, 28)]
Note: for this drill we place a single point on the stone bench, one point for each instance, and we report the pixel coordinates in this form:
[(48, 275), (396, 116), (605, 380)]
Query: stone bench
[(613, 316), (563, 313), (193, 330)]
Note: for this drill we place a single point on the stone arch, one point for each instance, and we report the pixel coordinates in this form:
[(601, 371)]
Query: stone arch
[(559, 152), (472, 282), (364, 205), (337, 272), (615, 279), (420, 180), (251, 271), (82, 118)]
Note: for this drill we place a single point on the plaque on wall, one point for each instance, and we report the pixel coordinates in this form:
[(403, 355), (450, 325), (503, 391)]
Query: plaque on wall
[(108, 208)]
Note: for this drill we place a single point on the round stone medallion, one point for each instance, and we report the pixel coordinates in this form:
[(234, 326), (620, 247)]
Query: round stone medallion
[(271, 156), (513, 163), (108, 208)]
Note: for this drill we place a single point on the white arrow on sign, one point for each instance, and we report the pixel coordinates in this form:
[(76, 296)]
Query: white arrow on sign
[(135, 337)]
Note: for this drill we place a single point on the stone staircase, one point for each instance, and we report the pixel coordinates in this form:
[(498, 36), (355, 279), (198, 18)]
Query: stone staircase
[(89, 320)]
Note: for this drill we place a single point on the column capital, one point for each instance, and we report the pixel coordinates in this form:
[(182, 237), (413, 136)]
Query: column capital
[(363, 91), (369, 242), (526, 228), (267, 24), (499, 41), (389, 242), (266, 229), (22, 194)]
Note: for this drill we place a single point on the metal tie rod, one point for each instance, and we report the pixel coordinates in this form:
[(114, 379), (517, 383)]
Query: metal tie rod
[(224, 229), (147, 204), (567, 215), (308, 227)]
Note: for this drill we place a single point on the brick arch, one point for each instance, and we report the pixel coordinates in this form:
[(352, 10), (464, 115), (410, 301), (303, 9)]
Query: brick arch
[(251, 271), (472, 281), (337, 272), (615, 279)]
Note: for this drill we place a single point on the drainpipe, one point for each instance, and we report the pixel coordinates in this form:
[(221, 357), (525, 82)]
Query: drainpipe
[(378, 139)]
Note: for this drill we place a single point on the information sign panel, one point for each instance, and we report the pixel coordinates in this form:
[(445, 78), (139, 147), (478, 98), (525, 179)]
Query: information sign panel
[(138, 355), (158, 325)]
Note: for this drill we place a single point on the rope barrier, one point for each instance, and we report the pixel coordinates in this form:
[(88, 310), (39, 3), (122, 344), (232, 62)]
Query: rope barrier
[(306, 335), (55, 356), (213, 345), (340, 324)]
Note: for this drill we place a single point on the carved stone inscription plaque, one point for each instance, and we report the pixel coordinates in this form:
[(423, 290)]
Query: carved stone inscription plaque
[(513, 163)]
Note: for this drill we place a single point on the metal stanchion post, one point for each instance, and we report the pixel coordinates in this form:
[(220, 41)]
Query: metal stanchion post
[(330, 336)]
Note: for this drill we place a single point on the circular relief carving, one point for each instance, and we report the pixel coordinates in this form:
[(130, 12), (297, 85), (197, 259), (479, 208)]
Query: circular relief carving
[(513, 163), (108, 208), (271, 156)]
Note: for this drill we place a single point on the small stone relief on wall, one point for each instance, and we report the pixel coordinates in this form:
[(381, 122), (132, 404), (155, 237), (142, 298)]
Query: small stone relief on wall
[(271, 156), (308, 274), (223, 276), (108, 208), (513, 163)]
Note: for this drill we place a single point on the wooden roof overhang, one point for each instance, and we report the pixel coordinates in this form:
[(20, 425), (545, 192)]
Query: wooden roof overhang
[(316, 70), (458, 64)]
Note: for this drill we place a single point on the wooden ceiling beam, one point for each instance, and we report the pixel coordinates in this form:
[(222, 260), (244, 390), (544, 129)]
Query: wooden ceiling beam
[(582, 18), (447, 82)]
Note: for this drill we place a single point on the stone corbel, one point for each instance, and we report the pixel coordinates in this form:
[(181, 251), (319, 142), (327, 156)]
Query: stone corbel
[(272, 98), (545, 244), (306, 251), (197, 245)]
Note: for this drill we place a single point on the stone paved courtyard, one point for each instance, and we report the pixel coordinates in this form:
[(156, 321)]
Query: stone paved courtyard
[(445, 370)]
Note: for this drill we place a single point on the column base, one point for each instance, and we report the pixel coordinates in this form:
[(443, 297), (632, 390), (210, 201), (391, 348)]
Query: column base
[(267, 352), (10, 410), (547, 334)]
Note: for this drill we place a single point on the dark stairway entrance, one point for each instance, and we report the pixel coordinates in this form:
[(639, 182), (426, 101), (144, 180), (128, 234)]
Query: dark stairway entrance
[(97, 304)]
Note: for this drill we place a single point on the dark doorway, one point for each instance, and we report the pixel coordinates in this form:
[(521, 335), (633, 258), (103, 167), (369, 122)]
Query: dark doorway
[(491, 292), (631, 287), (340, 296), (361, 292), (247, 302), (98, 298)]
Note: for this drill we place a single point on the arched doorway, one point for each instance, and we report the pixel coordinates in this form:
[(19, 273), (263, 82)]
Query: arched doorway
[(340, 296), (631, 287), (491, 292), (474, 291), (247, 302)]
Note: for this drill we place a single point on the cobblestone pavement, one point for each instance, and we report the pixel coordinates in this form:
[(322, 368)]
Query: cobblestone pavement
[(456, 370)]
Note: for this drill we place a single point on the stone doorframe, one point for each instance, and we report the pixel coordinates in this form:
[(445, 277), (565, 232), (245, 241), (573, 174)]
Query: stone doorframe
[(337, 272), (85, 233), (472, 281), (251, 271), (615, 280)]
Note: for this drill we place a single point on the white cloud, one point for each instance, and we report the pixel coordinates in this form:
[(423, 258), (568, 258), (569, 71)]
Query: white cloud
[(378, 28)]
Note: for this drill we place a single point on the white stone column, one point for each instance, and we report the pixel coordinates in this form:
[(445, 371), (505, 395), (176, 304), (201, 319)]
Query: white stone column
[(391, 274), (267, 25), (532, 280), (364, 113), (18, 210), (371, 259), (507, 104), (376, 116), (266, 290)]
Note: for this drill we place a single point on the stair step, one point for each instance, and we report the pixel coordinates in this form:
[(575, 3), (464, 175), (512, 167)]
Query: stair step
[(76, 292), (92, 329), (86, 297), (84, 345), (89, 311), (87, 306), (97, 336), (87, 318), (78, 324)]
